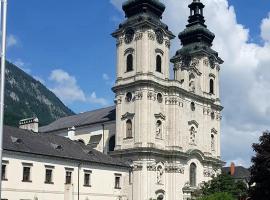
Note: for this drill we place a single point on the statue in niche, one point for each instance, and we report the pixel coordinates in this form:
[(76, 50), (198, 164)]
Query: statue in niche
[(160, 172), (192, 82), (192, 135)]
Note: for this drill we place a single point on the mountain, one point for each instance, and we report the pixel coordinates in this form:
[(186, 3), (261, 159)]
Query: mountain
[(26, 97)]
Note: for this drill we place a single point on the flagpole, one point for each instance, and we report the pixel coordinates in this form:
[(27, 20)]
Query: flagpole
[(3, 67)]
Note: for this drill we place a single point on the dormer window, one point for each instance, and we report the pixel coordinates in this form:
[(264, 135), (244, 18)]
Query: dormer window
[(158, 63), (129, 63)]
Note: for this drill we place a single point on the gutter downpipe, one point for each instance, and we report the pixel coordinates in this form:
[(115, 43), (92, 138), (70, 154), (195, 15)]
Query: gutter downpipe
[(79, 165), (103, 141)]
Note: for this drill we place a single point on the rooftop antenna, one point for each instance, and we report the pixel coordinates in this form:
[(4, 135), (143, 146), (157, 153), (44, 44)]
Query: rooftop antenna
[(3, 21)]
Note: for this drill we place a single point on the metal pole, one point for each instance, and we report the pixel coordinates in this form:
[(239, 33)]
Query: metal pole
[(3, 67)]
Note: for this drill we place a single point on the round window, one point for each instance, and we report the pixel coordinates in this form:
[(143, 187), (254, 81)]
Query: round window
[(129, 97)]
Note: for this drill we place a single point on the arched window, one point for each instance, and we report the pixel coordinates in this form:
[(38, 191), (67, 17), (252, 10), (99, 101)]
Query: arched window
[(129, 62), (112, 143), (212, 142), (129, 128), (192, 82), (211, 86), (192, 174), (159, 129), (158, 63), (160, 197)]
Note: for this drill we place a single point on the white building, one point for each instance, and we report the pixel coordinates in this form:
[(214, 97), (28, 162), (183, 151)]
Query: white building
[(44, 167), (168, 129)]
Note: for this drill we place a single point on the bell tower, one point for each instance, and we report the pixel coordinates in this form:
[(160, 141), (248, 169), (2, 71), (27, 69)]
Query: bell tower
[(143, 43)]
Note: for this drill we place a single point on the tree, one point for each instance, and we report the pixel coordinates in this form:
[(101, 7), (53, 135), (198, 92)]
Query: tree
[(260, 170), (218, 196), (224, 183)]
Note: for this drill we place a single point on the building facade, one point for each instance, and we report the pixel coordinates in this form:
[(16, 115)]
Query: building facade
[(166, 126), (45, 167)]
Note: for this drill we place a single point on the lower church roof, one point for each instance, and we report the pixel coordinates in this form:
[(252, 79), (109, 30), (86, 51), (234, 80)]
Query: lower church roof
[(53, 146)]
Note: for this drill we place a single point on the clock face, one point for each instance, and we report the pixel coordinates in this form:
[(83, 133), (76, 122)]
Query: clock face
[(159, 36), (129, 35)]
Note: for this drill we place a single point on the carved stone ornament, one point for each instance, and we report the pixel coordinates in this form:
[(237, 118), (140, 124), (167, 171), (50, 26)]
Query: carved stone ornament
[(193, 122), (159, 36), (137, 167), (138, 36), (172, 101), (139, 95), (167, 43), (151, 36), (119, 42), (151, 167), (175, 169), (206, 62), (129, 35), (118, 100), (208, 172), (160, 116), (151, 96), (212, 62), (127, 116)]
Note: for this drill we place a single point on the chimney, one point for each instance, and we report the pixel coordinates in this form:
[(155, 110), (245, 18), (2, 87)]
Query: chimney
[(232, 169), (30, 124), (71, 133)]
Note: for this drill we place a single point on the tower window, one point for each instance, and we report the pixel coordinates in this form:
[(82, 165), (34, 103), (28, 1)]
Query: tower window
[(212, 142), (159, 129), (192, 135), (192, 106), (211, 86), (129, 97), (158, 63), (129, 62), (159, 98), (192, 175), (129, 128)]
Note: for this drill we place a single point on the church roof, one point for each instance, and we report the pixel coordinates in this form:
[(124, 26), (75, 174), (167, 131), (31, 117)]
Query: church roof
[(49, 145), (82, 119)]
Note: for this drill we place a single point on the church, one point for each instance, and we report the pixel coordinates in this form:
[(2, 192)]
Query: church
[(165, 126)]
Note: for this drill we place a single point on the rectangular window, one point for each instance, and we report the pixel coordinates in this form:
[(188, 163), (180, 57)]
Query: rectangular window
[(48, 176), (87, 179), (117, 182), (68, 177), (4, 172), (26, 174)]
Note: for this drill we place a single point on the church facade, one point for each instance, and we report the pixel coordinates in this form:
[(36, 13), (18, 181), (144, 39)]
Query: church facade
[(168, 129)]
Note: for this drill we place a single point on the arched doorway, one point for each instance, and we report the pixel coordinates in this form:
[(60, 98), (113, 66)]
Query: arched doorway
[(112, 143)]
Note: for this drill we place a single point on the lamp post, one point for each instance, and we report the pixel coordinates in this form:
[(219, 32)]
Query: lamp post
[(3, 14)]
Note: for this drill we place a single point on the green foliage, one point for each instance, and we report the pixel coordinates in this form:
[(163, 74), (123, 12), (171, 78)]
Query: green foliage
[(260, 170), (26, 97), (218, 196), (224, 184)]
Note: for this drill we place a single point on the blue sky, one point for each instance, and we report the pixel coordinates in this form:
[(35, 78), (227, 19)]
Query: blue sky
[(67, 45)]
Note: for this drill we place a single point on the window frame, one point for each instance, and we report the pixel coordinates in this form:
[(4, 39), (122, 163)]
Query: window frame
[(26, 177), (68, 170), (159, 63), (4, 175), (117, 181), (49, 168), (129, 61), (193, 174), (129, 132), (89, 173)]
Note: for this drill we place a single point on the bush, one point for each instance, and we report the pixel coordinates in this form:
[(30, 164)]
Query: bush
[(218, 196)]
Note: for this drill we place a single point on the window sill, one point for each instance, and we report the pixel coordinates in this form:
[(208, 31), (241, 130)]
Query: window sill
[(49, 183), (68, 183), (26, 181), (128, 138), (117, 188), (87, 185), (5, 179)]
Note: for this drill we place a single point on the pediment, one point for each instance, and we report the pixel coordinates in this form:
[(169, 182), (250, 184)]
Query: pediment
[(127, 116), (160, 116), (193, 122)]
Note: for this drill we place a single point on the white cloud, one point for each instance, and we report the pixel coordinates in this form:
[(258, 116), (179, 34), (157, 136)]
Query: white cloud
[(105, 77), (265, 29), (245, 75), (67, 89), (11, 41)]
